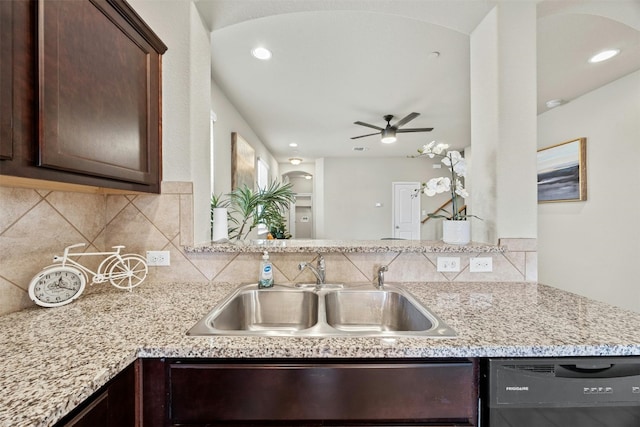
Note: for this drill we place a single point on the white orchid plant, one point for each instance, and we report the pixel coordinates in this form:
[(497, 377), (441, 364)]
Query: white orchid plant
[(454, 184)]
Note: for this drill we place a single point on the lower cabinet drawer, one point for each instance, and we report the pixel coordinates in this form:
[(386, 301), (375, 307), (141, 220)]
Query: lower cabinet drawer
[(418, 393)]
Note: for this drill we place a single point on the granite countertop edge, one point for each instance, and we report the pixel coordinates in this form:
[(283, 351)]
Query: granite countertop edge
[(358, 353), (344, 246)]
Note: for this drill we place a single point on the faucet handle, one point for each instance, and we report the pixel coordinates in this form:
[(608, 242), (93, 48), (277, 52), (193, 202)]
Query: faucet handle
[(381, 271)]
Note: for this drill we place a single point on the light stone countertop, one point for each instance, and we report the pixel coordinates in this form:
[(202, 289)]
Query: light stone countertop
[(53, 359), (345, 246)]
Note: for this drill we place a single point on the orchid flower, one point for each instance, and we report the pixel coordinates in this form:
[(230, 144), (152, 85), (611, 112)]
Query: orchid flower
[(457, 166), (431, 149), (437, 186), (460, 168), (438, 149), (460, 190)]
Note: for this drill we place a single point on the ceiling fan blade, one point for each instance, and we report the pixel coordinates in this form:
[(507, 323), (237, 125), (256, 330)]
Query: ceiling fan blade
[(414, 130), (362, 136), (406, 120), (367, 125)]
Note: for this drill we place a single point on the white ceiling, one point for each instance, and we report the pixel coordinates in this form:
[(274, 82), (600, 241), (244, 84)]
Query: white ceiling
[(336, 62)]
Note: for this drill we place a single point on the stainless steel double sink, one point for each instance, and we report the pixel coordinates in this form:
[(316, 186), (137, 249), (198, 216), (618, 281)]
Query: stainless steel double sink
[(333, 310)]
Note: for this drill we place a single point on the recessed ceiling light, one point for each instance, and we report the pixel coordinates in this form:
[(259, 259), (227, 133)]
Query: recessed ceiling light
[(604, 55), (307, 177), (261, 53), (293, 145), (295, 161), (553, 103)]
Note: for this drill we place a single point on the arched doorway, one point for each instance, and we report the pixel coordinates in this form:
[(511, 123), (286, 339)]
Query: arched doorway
[(300, 220)]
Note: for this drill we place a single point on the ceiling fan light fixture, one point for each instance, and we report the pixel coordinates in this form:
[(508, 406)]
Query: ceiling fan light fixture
[(388, 136), (603, 56), (295, 161), (388, 139)]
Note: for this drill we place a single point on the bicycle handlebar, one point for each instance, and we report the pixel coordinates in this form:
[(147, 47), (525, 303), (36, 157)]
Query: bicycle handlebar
[(66, 250), (77, 245)]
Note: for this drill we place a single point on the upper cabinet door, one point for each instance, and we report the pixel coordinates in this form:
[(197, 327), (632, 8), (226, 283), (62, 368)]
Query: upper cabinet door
[(6, 79), (99, 72)]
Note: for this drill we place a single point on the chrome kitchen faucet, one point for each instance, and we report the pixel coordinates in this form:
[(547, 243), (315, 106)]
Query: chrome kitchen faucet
[(318, 271)]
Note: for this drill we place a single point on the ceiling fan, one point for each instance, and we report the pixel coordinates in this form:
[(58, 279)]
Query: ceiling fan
[(389, 132)]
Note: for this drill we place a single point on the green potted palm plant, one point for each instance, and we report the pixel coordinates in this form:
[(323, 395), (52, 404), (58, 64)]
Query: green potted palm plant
[(248, 208)]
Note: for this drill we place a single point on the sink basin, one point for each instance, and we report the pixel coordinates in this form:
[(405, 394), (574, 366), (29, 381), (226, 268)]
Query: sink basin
[(333, 310), (375, 310), (263, 310)]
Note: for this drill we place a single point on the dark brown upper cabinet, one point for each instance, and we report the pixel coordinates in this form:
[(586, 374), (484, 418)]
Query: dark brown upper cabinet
[(6, 79), (96, 91)]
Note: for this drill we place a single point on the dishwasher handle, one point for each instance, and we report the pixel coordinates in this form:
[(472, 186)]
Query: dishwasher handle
[(597, 370)]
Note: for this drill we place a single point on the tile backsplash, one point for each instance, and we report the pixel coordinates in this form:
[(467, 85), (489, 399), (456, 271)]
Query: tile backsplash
[(37, 224)]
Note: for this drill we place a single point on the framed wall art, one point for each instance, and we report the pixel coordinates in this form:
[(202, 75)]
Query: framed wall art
[(562, 172), (243, 163)]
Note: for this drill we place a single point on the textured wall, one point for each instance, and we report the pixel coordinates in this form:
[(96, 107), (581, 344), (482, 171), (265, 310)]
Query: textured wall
[(602, 234)]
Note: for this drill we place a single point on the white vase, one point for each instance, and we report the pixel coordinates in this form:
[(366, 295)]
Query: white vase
[(456, 232), (220, 227)]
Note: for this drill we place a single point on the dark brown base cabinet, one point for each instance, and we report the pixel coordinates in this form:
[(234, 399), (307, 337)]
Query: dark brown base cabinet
[(114, 405), (198, 392)]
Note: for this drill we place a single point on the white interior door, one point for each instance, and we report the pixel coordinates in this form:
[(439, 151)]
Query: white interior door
[(406, 211)]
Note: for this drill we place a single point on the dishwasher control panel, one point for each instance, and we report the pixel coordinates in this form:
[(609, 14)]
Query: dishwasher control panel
[(564, 381)]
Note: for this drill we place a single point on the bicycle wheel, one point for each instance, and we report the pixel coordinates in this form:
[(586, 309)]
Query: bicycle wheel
[(104, 268), (129, 272)]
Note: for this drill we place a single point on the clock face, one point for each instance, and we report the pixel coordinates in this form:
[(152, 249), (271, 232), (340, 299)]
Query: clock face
[(56, 286)]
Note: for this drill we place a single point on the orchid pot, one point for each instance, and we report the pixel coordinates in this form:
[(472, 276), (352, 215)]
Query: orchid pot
[(456, 232)]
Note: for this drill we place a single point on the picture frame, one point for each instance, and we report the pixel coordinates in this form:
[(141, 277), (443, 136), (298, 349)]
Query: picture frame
[(243, 163), (562, 172)]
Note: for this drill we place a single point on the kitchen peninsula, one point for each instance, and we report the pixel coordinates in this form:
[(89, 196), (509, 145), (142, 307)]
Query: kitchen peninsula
[(54, 359)]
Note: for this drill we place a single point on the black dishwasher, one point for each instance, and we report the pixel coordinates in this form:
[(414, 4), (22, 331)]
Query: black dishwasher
[(561, 392)]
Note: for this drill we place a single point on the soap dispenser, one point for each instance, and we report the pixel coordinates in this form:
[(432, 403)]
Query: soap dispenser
[(265, 279)]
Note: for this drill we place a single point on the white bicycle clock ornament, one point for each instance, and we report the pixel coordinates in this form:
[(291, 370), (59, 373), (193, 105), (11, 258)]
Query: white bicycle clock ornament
[(63, 282)]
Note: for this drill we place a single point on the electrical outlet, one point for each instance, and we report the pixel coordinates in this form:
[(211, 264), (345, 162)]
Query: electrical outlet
[(158, 258), (448, 264), (481, 264)]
